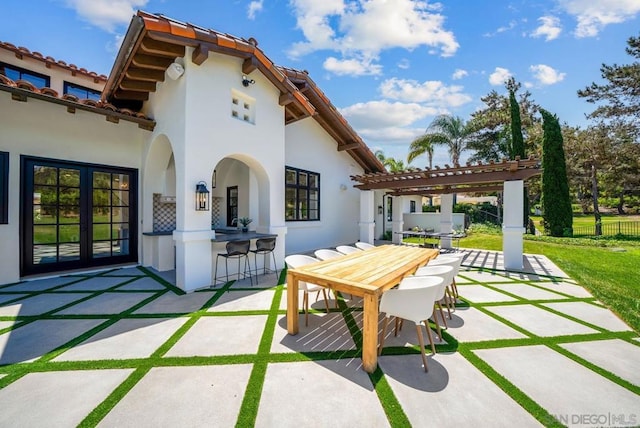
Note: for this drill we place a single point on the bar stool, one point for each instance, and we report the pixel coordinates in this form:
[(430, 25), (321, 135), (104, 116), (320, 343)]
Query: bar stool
[(264, 246), (235, 250)]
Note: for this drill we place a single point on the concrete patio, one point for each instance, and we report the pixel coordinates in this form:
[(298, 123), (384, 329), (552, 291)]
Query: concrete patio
[(122, 348)]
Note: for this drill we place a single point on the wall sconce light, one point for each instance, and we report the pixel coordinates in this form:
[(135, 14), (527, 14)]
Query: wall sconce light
[(202, 197), (175, 70), (246, 81), (380, 209)]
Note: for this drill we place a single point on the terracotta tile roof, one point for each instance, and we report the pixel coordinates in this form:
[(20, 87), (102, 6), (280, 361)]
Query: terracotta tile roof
[(21, 52), (22, 89), (333, 122)]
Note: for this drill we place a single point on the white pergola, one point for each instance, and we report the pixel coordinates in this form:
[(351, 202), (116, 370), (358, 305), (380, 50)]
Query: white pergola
[(506, 176)]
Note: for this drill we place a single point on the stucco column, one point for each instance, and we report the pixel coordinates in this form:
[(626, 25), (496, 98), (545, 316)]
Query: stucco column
[(512, 229), (398, 223), (446, 219), (367, 222)]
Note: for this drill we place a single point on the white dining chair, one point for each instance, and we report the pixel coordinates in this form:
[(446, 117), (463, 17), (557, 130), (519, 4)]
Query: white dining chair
[(414, 302), (445, 272), (347, 249), (297, 260), (325, 254), (364, 245), (453, 261)]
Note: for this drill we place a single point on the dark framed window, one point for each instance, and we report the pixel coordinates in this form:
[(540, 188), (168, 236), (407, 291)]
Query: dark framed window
[(16, 73), (81, 92), (302, 195), (4, 188), (412, 206), (389, 208)]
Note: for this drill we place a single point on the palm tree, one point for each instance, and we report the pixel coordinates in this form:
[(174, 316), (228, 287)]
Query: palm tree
[(391, 164), (421, 145), (446, 130)]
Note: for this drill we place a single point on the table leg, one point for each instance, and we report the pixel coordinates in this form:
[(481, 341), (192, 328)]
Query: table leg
[(292, 304), (370, 333)]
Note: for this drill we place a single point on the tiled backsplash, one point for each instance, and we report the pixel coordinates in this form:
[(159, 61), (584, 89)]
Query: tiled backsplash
[(164, 215), (216, 210)]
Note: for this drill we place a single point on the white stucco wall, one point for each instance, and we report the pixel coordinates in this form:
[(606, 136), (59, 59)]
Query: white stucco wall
[(431, 221), (43, 129), (309, 147)]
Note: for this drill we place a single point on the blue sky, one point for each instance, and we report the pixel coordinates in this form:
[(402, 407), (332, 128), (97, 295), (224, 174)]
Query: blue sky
[(390, 66)]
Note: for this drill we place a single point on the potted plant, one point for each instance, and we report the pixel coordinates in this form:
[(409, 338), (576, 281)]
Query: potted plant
[(245, 222)]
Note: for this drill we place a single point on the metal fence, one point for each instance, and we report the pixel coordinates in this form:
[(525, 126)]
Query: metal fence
[(628, 228)]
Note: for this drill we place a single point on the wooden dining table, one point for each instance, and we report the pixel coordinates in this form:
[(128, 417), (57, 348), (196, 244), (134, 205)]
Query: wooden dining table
[(366, 274)]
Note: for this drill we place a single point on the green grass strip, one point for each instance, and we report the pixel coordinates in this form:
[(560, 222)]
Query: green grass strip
[(162, 281), (97, 414), (392, 408), (514, 392)]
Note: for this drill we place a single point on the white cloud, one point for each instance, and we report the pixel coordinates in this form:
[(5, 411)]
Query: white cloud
[(505, 28), (594, 15), (364, 28), (432, 92), (499, 76), (404, 64), (352, 67), (546, 75), (459, 74), (549, 28), (385, 114), (106, 14), (254, 7)]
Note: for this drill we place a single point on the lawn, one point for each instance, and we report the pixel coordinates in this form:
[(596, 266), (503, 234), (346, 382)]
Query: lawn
[(607, 268)]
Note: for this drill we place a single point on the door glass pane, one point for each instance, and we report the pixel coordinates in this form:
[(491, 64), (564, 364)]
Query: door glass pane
[(290, 177), (69, 196), (46, 195), (69, 177), (69, 215), (45, 254), (101, 232), (120, 198), (101, 214), (68, 252), (120, 181), (45, 175), (101, 180), (69, 233), (302, 177), (120, 214), (101, 249), (44, 234), (45, 214), (120, 247), (313, 180), (101, 197)]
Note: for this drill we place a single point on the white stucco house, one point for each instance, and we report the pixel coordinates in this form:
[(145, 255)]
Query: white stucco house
[(102, 170)]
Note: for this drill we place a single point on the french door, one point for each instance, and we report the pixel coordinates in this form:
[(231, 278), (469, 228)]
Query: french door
[(232, 206), (76, 215)]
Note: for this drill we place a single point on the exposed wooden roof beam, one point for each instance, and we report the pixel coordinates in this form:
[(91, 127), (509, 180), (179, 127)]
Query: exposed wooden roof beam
[(151, 62), (285, 99), (145, 75), (440, 191), (351, 146), (250, 65), (200, 54), (154, 47), (137, 85)]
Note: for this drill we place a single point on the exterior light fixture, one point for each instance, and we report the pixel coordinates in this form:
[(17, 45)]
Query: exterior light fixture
[(380, 211), (246, 81), (202, 197), (175, 71)]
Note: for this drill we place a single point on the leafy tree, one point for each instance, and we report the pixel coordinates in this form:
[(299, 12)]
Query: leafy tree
[(619, 98), (556, 201), (517, 142), (421, 145)]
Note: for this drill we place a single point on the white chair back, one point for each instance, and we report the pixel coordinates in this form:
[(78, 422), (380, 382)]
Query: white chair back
[(297, 260), (447, 261), (327, 254), (415, 301), (347, 249), (441, 271), (364, 245)]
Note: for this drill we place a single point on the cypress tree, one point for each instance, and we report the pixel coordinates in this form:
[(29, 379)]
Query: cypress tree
[(517, 142), (556, 202)]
